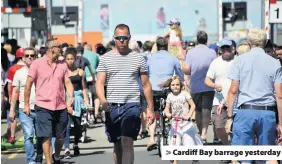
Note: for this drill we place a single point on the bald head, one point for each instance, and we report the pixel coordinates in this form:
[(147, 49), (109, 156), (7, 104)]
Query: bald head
[(88, 47)]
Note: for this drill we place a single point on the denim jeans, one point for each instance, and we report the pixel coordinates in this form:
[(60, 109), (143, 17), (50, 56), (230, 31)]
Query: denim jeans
[(249, 123), (67, 139), (28, 125)]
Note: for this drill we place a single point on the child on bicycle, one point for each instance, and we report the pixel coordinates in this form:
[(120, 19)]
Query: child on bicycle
[(179, 101)]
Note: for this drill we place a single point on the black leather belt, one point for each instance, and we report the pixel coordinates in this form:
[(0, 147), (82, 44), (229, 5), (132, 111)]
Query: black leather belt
[(117, 104), (271, 108)]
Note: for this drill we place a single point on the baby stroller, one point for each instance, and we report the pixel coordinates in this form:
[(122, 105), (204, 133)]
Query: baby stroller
[(84, 125)]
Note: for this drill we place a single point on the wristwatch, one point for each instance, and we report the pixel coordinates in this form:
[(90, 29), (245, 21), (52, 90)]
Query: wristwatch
[(228, 117)]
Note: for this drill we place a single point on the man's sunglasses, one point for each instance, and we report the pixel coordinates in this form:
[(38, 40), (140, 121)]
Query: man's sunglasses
[(29, 55), (121, 37)]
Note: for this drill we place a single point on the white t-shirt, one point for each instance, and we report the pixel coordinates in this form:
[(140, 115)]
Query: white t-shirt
[(172, 36), (179, 106), (19, 81), (218, 71)]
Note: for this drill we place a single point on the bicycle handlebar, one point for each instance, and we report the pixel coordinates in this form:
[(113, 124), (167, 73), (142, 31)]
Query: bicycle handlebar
[(180, 118)]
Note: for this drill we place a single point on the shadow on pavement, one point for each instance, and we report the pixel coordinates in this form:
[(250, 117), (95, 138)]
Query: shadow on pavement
[(92, 153), (89, 148), (88, 140), (108, 147), (94, 127), (12, 152), (68, 162)]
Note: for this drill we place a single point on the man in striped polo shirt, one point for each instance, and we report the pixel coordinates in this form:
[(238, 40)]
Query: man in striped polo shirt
[(119, 70)]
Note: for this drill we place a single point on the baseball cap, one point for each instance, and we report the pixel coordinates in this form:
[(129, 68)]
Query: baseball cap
[(224, 42), (174, 21), (20, 53)]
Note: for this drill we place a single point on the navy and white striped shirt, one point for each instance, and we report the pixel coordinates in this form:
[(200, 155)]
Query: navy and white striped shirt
[(122, 72)]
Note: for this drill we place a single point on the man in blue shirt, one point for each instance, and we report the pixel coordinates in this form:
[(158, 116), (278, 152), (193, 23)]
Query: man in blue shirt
[(161, 66), (197, 63), (257, 80)]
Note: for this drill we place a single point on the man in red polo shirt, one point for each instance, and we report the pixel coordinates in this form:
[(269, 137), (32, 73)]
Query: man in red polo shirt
[(11, 72), (50, 77)]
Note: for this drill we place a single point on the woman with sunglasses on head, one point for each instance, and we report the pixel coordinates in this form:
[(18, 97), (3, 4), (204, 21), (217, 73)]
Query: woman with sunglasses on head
[(81, 102)]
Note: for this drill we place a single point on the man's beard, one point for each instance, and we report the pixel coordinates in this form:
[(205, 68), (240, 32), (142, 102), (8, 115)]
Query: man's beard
[(227, 57)]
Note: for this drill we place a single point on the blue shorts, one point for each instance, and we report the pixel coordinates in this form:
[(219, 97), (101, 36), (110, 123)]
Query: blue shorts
[(51, 123), (123, 120), (249, 123)]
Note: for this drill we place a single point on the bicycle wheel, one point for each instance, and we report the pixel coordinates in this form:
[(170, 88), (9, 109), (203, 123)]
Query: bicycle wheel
[(159, 139), (161, 123), (83, 137), (102, 116)]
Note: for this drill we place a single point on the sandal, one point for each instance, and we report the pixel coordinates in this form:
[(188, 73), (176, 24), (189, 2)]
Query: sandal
[(143, 135), (151, 147)]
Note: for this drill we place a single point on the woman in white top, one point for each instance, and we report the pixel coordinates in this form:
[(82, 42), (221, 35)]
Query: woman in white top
[(174, 34)]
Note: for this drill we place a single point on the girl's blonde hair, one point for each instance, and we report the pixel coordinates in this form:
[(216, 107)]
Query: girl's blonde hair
[(168, 82), (176, 51), (177, 29)]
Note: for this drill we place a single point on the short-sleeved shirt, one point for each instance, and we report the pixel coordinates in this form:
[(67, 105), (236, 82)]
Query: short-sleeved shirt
[(199, 59), (49, 83), (122, 72), (139, 79), (20, 82), (93, 59), (161, 66), (11, 74), (218, 71), (257, 73), (179, 106)]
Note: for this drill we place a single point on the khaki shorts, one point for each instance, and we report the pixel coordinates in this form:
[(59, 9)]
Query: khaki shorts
[(219, 121)]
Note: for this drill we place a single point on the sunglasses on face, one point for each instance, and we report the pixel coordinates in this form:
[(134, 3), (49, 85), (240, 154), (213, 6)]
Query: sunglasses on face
[(57, 46), (121, 37), (29, 55)]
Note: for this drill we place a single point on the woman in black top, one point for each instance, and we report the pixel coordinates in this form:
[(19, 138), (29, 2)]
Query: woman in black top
[(81, 101)]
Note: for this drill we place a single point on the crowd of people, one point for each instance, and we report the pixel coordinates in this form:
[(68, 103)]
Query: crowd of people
[(236, 88)]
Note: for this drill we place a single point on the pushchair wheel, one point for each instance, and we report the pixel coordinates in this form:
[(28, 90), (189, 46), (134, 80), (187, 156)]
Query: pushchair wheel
[(83, 137), (102, 116)]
